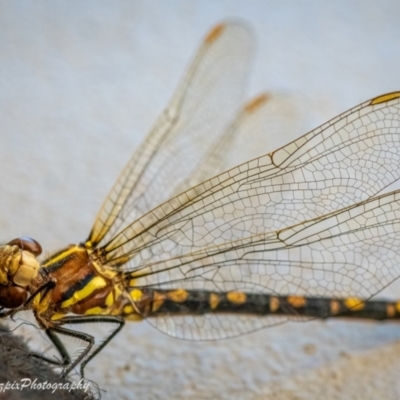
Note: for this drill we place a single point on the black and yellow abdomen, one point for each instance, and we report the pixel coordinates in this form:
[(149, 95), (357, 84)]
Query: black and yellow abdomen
[(153, 303)]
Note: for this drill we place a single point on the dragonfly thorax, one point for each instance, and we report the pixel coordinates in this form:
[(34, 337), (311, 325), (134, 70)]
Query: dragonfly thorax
[(82, 286)]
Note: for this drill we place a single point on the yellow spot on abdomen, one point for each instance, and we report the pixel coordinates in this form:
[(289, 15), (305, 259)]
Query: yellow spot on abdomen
[(96, 283), (385, 97), (236, 297), (354, 304), (334, 307), (214, 301), (214, 34), (178, 296), (390, 310), (273, 304), (158, 300), (256, 103), (297, 301)]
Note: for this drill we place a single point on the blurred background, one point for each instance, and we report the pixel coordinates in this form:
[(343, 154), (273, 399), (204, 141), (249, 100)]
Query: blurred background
[(80, 85)]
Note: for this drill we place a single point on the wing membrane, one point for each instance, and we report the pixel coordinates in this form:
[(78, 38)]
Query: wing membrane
[(203, 105), (354, 252), (343, 162), (297, 221), (266, 119)]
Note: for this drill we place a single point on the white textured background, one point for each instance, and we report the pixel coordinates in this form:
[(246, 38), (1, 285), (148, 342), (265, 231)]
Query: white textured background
[(82, 82)]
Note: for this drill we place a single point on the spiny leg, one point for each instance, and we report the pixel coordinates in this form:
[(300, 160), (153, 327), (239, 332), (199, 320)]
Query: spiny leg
[(65, 357), (66, 360), (121, 322)]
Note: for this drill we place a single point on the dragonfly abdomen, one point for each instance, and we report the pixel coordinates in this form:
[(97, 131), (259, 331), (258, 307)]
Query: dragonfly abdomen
[(151, 303)]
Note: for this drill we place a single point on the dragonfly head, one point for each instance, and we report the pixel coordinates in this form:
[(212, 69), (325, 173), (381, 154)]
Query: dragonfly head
[(18, 268)]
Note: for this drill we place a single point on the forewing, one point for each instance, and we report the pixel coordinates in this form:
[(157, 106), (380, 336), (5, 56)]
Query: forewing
[(341, 163), (203, 105)]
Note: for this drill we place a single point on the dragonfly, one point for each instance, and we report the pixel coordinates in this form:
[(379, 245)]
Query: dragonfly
[(204, 249)]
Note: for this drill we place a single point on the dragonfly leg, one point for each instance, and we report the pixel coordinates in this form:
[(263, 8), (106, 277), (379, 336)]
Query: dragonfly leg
[(65, 357), (119, 321)]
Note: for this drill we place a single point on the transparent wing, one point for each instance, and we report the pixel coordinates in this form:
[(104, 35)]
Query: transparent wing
[(345, 161), (203, 105), (266, 119), (354, 252)]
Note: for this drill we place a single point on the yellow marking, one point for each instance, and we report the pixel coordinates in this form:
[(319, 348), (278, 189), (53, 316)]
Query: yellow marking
[(274, 304), (105, 271), (257, 102), (128, 310), (62, 255), (138, 274), (296, 301), (122, 259), (95, 311), (236, 297), (97, 282), (214, 301), (36, 302), (115, 311), (3, 278), (132, 282), (158, 300), (10, 257), (109, 299), (117, 292), (385, 97), (102, 269), (136, 294), (133, 317), (397, 305), (15, 262), (88, 244), (334, 306), (40, 304), (354, 304), (28, 269), (178, 296), (214, 34), (57, 316), (390, 310)]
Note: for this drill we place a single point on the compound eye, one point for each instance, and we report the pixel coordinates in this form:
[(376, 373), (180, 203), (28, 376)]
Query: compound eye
[(12, 296), (28, 244)]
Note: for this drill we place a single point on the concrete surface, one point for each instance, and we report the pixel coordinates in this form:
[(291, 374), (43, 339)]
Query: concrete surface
[(30, 373), (82, 82)]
